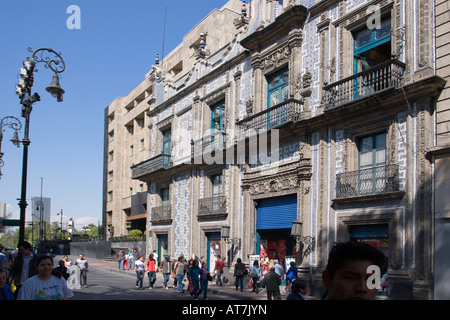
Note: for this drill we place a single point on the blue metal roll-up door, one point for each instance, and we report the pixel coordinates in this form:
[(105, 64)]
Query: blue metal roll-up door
[(375, 231), (276, 213)]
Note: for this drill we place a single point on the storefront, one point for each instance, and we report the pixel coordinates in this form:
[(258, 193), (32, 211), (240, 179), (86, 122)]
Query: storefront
[(377, 236), (213, 249), (163, 246), (273, 227)]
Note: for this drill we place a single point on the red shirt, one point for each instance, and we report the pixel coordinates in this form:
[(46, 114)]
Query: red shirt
[(151, 265)]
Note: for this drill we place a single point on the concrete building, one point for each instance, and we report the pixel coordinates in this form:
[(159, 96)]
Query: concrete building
[(440, 155), (317, 114)]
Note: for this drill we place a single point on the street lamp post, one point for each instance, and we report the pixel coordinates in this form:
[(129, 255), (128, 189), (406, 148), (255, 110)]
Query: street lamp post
[(14, 124), (23, 89)]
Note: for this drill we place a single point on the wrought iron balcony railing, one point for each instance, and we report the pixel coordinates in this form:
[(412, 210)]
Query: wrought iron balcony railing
[(161, 214), (162, 161), (213, 206), (376, 180), (280, 114), (388, 74)]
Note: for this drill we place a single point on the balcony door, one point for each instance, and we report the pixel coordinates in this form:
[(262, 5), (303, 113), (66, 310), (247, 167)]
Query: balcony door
[(278, 92), (217, 124), (216, 181), (371, 47), (166, 148), (372, 163)]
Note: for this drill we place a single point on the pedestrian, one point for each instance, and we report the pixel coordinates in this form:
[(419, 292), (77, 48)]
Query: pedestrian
[(125, 261), (194, 273), (299, 290), (67, 262), (139, 267), (155, 255), (62, 269), (190, 285), (291, 274), (134, 256), (351, 258), (152, 267), (2, 257), (179, 270), (84, 268), (5, 289), (239, 272), (166, 269), (255, 274), (120, 256), (218, 270), (279, 269), (204, 278), (45, 285), (23, 266), (272, 282)]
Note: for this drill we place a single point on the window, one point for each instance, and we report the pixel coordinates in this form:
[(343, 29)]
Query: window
[(111, 156), (216, 181), (372, 154), (110, 196), (110, 176), (217, 124), (372, 47), (142, 145), (166, 148), (111, 136), (131, 150), (278, 87), (165, 199), (218, 117)]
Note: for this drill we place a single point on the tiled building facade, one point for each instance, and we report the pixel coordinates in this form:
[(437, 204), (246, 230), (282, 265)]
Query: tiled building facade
[(347, 92)]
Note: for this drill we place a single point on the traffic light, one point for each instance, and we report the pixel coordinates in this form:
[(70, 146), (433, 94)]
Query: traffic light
[(26, 73), (70, 228)]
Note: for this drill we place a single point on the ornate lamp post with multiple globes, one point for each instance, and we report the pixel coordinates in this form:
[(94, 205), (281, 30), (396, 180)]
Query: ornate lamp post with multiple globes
[(55, 62)]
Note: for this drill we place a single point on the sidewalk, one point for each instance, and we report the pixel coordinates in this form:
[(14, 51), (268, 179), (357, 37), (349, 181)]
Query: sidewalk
[(227, 290)]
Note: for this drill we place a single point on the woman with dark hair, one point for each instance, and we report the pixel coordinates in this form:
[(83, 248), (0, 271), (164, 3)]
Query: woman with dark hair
[(46, 285)]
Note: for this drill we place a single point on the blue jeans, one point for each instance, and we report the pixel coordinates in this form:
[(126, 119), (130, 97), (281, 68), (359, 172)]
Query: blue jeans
[(120, 264), (166, 279), (240, 280), (151, 278), (195, 292), (180, 282), (204, 288)]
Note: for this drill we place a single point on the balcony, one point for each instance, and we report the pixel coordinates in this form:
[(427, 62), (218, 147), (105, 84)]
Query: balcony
[(386, 75), (276, 116), (162, 214), (368, 182), (162, 161), (212, 208)]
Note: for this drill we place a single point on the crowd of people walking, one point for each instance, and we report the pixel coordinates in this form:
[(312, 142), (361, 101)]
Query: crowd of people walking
[(28, 276)]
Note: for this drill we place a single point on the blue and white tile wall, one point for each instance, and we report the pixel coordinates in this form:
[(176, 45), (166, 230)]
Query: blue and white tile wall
[(181, 215)]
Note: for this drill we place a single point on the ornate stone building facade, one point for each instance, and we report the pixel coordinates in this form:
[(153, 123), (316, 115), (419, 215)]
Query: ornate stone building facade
[(313, 112)]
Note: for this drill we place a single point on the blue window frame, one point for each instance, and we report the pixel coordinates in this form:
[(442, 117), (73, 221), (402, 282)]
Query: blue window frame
[(371, 47), (277, 92), (166, 148), (217, 124)]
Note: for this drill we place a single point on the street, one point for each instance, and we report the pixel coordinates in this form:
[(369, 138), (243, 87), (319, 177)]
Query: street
[(106, 282)]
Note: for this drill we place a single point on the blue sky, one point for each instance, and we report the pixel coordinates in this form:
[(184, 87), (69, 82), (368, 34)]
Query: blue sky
[(105, 59)]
